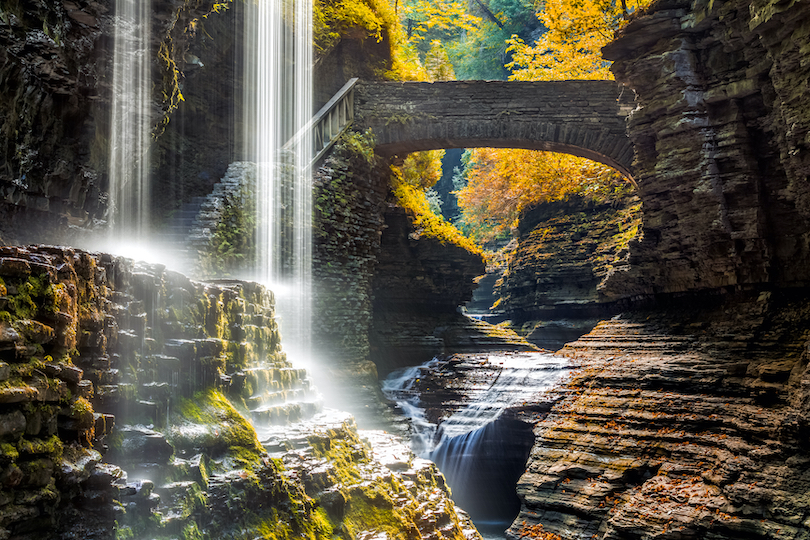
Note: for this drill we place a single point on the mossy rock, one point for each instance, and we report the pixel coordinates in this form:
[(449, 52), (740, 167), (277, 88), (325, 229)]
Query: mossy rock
[(209, 423)]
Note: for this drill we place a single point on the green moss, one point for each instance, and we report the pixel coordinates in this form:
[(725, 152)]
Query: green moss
[(8, 452), (209, 421), (192, 532), (123, 532), (273, 528), (80, 407), (232, 247), (341, 449), (52, 447), (34, 295), (375, 512)]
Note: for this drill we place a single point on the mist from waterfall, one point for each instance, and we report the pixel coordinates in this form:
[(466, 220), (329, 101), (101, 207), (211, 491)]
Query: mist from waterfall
[(278, 104), (130, 125)]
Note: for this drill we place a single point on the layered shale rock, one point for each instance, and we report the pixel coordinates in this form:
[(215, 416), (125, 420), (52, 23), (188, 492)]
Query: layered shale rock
[(419, 284), (687, 423), (128, 396), (56, 72), (103, 356), (550, 289), (719, 136)]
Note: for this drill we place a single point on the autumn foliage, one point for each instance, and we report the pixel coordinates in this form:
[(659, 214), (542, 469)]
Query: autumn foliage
[(503, 183), (571, 48)]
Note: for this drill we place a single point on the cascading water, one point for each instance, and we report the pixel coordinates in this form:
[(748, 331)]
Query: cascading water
[(128, 217), (480, 450), (278, 104)]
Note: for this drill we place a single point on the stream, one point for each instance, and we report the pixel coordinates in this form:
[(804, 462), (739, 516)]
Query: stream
[(481, 450)]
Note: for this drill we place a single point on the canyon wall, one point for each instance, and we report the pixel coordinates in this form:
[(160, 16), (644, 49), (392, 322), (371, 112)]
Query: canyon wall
[(690, 420), (684, 422), (418, 285), (721, 155), (565, 249), (56, 71)]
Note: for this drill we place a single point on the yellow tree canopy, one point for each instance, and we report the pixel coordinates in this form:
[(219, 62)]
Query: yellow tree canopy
[(502, 183), (571, 48)]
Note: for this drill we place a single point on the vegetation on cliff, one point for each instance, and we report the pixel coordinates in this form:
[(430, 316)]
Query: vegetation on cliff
[(412, 185), (232, 247)]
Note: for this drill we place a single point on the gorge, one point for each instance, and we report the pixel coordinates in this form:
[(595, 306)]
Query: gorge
[(136, 402)]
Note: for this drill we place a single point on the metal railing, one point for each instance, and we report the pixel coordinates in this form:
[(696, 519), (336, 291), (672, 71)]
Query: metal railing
[(328, 123)]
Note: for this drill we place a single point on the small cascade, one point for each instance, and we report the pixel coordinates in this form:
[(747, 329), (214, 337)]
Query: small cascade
[(482, 447), (128, 218)]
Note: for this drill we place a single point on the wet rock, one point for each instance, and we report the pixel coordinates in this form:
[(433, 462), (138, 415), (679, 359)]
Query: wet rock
[(5, 371), (140, 444), (18, 394), (9, 337), (12, 423), (13, 267), (65, 372)]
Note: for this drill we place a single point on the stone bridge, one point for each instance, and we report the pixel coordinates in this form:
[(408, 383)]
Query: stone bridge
[(583, 118)]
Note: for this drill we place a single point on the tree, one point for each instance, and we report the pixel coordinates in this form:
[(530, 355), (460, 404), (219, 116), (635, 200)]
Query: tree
[(503, 183), (571, 47)]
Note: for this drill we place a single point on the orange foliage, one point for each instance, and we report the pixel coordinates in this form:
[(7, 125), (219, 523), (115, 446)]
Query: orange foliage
[(572, 46), (502, 183), (536, 532)]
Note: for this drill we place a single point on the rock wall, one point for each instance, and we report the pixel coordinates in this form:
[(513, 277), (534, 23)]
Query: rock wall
[(418, 285), (721, 154), (564, 251), (350, 190), (686, 422), (95, 348), (121, 388)]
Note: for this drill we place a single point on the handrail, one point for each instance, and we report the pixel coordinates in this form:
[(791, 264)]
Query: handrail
[(328, 123)]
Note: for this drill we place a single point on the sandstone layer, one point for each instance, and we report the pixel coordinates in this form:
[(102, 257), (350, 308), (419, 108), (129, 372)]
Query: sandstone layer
[(682, 423)]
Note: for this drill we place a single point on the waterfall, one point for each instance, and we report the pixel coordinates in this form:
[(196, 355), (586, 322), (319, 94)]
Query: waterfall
[(278, 104), (128, 215), (478, 447)]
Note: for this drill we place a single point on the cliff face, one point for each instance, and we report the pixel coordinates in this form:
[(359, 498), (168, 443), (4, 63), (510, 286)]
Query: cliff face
[(685, 423), (121, 388), (564, 251), (721, 153), (418, 285), (56, 72)]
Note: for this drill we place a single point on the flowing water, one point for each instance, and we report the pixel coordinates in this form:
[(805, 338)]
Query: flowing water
[(278, 104), (128, 215), (481, 451)]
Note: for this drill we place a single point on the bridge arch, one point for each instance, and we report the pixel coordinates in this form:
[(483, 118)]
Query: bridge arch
[(582, 118)]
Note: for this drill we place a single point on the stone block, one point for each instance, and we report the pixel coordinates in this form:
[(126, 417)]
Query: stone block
[(18, 394), (12, 423), (14, 267)]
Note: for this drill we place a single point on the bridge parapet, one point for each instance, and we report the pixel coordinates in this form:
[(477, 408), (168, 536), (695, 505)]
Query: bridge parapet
[(583, 118)]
